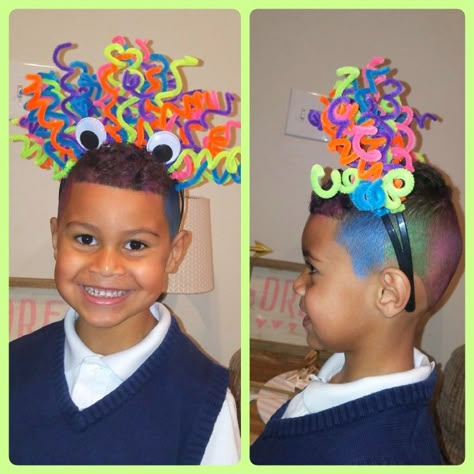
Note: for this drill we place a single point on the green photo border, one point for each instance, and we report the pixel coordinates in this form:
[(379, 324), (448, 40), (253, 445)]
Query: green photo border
[(245, 7)]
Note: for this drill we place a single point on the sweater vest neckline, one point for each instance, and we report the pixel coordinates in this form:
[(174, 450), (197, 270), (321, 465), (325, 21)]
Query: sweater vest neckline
[(80, 420), (400, 396)]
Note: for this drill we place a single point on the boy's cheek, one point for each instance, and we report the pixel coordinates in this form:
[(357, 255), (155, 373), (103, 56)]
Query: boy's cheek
[(68, 262), (62, 268)]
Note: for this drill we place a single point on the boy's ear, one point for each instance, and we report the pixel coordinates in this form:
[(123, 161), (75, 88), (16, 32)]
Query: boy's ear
[(53, 223), (179, 247), (393, 292)]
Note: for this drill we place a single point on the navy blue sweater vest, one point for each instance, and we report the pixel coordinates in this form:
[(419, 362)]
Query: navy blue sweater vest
[(164, 413), (393, 426)]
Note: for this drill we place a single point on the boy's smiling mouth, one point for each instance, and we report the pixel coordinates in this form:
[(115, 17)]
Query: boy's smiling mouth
[(103, 292)]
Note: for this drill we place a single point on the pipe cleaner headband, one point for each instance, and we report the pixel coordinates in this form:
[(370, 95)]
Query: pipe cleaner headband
[(135, 97), (370, 128)]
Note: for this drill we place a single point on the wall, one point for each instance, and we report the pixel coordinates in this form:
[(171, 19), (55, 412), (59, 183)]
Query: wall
[(302, 50), (213, 319)]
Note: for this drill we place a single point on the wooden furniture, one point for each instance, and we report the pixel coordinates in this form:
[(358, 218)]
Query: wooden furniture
[(267, 360)]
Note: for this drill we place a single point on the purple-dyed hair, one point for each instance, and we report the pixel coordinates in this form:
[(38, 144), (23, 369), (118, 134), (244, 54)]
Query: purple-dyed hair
[(125, 166)]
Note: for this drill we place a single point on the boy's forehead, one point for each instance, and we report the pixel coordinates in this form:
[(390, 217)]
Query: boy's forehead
[(319, 225), (320, 234), (85, 195)]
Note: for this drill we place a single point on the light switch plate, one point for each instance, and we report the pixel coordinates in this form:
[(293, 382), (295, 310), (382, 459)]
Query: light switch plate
[(18, 80), (297, 122)]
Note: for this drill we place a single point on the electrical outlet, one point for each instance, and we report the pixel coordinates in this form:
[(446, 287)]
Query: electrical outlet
[(303, 116)]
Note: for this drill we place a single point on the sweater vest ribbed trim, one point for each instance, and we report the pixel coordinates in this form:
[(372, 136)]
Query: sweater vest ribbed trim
[(47, 345), (350, 412), (80, 420)]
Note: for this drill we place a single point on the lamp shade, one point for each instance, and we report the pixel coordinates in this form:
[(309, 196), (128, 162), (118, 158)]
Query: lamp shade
[(195, 274)]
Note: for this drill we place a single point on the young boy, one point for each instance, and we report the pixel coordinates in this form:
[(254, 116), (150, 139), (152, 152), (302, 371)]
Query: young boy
[(381, 245), (117, 382), (370, 402)]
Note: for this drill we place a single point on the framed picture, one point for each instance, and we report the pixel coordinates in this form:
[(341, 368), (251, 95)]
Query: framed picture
[(274, 306), (33, 303)]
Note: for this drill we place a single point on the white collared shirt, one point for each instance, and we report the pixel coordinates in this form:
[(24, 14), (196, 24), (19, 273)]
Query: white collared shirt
[(90, 377), (321, 395)]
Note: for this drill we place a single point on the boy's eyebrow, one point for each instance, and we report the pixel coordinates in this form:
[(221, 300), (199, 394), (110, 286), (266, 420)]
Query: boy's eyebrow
[(307, 253), (142, 230), (82, 224), (93, 228)]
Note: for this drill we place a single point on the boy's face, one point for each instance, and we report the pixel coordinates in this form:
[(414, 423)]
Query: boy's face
[(113, 252), (335, 301)]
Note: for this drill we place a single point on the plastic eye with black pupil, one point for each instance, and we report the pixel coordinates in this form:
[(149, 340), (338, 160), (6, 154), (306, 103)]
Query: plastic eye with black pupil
[(89, 140), (163, 153), (90, 133), (165, 146)]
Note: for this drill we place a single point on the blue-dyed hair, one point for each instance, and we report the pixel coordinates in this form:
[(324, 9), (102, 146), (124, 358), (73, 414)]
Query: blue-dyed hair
[(126, 166), (433, 227)]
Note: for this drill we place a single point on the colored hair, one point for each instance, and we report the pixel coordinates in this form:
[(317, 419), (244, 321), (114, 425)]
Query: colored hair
[(433, 227), (125, 166)]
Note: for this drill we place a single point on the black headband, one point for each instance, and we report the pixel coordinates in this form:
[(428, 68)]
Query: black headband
[(402, 251)]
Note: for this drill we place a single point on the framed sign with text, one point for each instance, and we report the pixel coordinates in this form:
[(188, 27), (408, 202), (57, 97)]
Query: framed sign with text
[(33, 303), (274, 306)]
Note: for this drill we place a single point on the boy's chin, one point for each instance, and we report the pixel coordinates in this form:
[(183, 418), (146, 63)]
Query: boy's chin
[(313, 341)]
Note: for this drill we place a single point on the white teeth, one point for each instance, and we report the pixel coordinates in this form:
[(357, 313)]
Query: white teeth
[(97, 292)]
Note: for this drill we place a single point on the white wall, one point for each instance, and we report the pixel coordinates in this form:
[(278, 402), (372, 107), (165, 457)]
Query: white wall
[(302, 49), (213, 319)]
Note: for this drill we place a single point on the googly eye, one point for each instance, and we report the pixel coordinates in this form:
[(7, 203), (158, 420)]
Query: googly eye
[(165, 146), (90, 133)]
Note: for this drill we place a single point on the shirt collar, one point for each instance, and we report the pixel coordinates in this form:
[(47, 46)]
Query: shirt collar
[(320, 395), (123, 363)]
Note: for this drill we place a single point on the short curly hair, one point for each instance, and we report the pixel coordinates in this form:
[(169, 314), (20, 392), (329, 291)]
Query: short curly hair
[(125, 166)]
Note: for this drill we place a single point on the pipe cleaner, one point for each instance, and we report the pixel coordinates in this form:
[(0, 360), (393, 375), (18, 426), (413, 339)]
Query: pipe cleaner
[(136, 97), (370, 128)]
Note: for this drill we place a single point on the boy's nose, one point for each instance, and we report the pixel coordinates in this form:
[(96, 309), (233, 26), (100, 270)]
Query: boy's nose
[(107, 262), (299, 285)]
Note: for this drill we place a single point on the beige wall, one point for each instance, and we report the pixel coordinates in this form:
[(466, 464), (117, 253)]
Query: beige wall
[(302, 50), (213, 319), (289, 49)]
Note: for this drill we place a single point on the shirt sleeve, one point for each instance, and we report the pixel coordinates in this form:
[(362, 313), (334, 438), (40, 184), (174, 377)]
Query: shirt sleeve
[(224, 444)]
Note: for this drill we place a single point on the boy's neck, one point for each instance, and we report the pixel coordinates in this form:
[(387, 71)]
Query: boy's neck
[(107, 341), (378, 361)]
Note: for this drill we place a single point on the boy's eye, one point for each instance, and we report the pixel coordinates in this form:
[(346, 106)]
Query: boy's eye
[(85, 239), (135, 245), (312, 270)]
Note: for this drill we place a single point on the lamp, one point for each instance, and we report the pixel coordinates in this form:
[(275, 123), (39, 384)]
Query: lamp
[(195, 274)]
